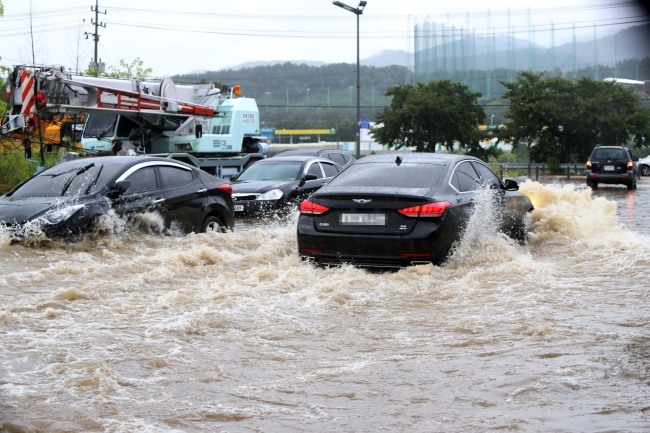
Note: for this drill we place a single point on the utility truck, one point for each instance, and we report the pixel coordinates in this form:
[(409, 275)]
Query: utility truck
[(214, 130)]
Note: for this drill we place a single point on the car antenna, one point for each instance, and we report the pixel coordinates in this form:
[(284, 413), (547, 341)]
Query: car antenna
[(398, 160)]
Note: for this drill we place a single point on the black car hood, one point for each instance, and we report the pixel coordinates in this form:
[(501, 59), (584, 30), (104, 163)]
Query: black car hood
[(258, 185), (22, 209)]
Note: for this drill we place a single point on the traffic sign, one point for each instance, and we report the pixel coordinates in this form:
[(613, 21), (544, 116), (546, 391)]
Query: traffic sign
[(364, 123)]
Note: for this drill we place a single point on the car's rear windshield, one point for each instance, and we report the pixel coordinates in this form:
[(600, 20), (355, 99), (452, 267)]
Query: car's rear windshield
[(405, 175), (62, 180), (610, 154)]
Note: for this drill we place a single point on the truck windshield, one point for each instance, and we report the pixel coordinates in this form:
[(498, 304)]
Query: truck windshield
[(100, 125)]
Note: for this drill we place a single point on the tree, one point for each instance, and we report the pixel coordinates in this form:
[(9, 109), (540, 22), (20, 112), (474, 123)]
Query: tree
[(422, 116), (566, 119), (135, 69)]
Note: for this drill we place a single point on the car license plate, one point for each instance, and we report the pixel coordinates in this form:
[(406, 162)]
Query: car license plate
[(363, 219), (239, 208), (608, 168)]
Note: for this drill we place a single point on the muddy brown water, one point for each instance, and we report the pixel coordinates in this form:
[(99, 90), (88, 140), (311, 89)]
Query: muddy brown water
[(133, 331)]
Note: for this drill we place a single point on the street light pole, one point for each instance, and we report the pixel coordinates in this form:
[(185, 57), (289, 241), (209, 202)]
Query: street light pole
[(357, 11)]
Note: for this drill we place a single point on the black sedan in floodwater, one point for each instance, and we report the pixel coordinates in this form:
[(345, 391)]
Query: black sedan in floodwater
[(69, 197), (275, 185), (394, 210)]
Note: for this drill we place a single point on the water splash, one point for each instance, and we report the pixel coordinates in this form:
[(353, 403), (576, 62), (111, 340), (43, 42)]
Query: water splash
[(482, 240), (565, 213)]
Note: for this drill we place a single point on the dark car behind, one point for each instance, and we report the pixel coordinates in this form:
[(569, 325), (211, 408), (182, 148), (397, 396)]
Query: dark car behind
[(275, 185), (341, 157), (396, 210), (612, 165), (69, 197)]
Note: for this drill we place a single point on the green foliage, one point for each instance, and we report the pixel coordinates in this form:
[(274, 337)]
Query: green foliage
[(423, 116), (3, 95), (553, 163), (14, 169), (566, 119), (135, 69), (521, 154), (503, 158)]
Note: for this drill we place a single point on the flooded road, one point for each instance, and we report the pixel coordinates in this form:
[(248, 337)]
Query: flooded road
[(139, 332)]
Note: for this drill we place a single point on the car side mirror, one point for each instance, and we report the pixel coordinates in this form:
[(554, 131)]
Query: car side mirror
[(307, 177), (511, 185), (120, 187)]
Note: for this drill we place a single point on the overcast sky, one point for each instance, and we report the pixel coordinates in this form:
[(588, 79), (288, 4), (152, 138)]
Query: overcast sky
[(175, 37)]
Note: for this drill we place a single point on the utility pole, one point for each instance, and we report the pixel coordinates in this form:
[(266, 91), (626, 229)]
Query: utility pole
[(95, 35)]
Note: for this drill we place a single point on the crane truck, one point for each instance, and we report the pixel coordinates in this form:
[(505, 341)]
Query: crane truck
[(214, 130)]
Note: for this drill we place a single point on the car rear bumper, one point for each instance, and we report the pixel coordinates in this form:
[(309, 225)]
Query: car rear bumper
[(611, 178), (256, 207), (427, 243)]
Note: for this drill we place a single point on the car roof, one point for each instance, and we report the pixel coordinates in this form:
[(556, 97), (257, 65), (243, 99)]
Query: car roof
[(610, 146), (439, 158), (301, 158), (311, 151), (121, 160)]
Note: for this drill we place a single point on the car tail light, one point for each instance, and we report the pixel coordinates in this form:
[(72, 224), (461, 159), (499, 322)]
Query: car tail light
[(311, 208), (225, 187), (310, 251), (630, 165), (588, 164), (436, 209)]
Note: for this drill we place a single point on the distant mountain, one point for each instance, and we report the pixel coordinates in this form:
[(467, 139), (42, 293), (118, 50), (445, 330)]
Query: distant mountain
[(388, 58), (254, 64), (629, 43), (505, 52), (385, 58)]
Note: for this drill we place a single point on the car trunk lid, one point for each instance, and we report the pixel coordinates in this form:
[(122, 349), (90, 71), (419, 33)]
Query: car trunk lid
[(368, 210)]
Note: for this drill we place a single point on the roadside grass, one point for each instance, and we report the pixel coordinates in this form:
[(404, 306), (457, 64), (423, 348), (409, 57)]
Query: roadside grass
[(15, 168)]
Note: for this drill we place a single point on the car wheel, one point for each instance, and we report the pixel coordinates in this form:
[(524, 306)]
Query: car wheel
[(645, 170), (213, 224)]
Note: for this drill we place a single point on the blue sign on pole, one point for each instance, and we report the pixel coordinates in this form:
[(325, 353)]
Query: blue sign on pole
[(364, 123)]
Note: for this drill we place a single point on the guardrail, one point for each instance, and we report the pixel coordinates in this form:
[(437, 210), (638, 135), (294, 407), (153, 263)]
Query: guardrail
[(537, 170)]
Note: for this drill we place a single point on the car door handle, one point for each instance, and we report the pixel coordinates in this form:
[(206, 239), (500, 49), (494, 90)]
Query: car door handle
[(202, 190), (158, 200)]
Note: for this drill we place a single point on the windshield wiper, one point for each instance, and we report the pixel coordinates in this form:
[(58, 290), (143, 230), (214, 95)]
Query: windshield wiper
[(77, 173), (78, 170)]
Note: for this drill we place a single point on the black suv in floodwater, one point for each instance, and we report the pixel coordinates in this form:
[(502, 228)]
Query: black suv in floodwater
[(612, 165)]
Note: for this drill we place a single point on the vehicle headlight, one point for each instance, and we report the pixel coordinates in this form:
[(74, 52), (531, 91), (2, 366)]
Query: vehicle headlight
[(58, 215), (274, 194)]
